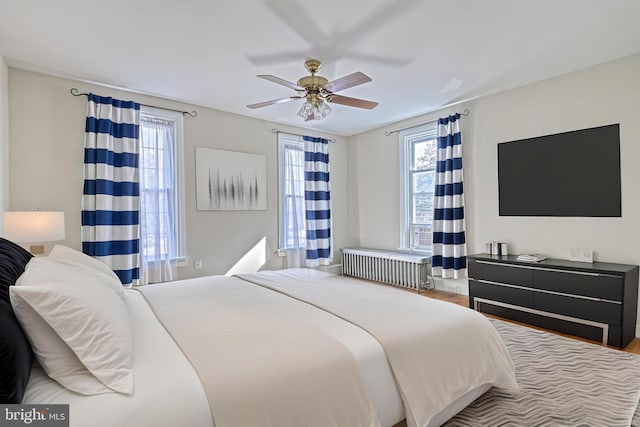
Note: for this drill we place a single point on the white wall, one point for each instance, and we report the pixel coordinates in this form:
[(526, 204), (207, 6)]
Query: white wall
[(601, 95), (4, 140), (46, 133), (47, 129)]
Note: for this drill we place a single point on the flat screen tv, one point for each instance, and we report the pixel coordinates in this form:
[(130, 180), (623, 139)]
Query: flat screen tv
[(574, 174)]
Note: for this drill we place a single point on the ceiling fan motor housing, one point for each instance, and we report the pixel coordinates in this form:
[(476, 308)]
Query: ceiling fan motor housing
[(312, 83)]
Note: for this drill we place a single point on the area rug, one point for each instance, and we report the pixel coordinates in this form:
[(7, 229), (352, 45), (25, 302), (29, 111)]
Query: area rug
[(563, 382)]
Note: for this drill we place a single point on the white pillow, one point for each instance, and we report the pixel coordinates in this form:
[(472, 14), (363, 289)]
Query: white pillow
[(54, 355), (73, 257), (86, 315)]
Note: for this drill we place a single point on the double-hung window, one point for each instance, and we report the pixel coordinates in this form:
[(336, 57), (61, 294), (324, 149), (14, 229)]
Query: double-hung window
[(291, 180), (161, 193), (418, 154)]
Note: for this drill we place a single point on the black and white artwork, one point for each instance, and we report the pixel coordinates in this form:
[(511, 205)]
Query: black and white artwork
[(230, 180)]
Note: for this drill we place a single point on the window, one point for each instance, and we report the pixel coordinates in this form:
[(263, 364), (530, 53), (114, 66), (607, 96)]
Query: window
[(291, 180), (418, 167), (161, 186)]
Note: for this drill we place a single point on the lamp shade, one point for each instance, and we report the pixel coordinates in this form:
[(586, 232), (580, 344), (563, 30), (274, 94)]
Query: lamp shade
[(34, 226)]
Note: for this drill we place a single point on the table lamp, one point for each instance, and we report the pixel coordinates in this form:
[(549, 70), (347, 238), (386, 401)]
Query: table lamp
[(35, 227)]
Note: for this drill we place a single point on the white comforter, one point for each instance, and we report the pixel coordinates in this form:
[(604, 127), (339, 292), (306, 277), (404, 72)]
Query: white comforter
[(167, 389), (168, 392), (439, 352), (261, 357)]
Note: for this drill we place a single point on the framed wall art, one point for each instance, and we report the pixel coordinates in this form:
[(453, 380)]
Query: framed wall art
[(230, 180)]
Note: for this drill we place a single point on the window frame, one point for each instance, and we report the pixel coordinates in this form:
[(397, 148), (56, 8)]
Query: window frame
[(407, 140), (179, 194), (283, 140)]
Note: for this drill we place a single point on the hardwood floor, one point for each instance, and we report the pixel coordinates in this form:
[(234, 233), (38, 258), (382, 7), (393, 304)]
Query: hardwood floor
[(633, 347)]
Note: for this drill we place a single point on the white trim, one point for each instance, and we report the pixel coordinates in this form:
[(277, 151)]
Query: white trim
[(283, 139), (403, 179), (405, 139), (178, 119)]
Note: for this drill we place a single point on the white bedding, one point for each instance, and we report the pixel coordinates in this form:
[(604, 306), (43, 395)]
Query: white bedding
[(439, 352), (263, 358), (168, 392)]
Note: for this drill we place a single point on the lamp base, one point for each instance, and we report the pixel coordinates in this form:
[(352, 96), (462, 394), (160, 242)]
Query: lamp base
[(36, 249)]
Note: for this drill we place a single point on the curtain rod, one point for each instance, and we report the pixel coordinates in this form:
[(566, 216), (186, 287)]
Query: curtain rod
[(274, 130), (193, 113), (465, 112)]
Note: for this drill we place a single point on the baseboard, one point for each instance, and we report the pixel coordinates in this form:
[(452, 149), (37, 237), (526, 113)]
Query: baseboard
[(456, 286)]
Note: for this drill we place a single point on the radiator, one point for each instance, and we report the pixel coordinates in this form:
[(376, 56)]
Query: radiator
[(394, 268)]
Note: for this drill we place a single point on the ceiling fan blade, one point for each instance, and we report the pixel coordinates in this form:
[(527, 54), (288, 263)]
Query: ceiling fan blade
[(275, 58), (346, 82), (382, 60), (352, 102), (272, 102), (298, 19), (380, 17), (280, 81)]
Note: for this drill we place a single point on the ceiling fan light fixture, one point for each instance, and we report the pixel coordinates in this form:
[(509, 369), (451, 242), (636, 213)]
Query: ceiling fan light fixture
[(306, 110), (314, 109), (321, 109)]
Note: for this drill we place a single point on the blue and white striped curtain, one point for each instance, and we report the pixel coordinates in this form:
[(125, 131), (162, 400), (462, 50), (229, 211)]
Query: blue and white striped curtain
[(449, 241), (317, 198), (110, 201)]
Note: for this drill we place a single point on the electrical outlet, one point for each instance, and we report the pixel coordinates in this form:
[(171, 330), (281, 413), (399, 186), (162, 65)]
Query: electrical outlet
[(587, 255), (197, 264), (574, 254), (580, 255)]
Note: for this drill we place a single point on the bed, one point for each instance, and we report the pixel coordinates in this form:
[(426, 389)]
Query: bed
[(283, 348)]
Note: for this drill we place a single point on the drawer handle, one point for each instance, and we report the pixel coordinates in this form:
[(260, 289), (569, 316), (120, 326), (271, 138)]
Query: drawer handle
[(603, 326), (544, 291), (528, 267)]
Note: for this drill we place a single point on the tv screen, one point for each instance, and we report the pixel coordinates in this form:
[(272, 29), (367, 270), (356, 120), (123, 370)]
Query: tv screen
[(566, 174)]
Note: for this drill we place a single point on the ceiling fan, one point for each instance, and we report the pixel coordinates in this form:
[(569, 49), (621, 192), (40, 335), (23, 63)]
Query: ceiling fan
[(318, 92), (335, 45)]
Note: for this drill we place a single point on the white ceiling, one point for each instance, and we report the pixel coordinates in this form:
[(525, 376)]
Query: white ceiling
[(421, 54)]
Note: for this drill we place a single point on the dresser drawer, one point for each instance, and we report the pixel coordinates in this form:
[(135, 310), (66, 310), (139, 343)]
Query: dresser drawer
[(597, 311), (500, 272), (506, 294), (607, 287)]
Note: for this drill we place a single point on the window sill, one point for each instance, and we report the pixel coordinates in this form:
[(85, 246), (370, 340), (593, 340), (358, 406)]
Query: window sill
[(427, 252), (286, 251)]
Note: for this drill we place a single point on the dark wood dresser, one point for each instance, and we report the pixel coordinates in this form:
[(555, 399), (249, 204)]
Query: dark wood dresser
[(597, 301)]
